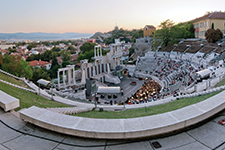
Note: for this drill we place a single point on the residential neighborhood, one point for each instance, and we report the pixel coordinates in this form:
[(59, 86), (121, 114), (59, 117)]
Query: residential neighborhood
[(112, 75)]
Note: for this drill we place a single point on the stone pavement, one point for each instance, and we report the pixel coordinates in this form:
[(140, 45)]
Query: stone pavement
[(205, 137)]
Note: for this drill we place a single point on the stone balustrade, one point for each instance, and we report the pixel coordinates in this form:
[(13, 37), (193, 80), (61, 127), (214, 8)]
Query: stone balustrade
[(126, 128)]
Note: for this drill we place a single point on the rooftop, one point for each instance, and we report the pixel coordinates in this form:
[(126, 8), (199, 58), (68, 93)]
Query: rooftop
[(38, 63), (150, 26), (212, 15)]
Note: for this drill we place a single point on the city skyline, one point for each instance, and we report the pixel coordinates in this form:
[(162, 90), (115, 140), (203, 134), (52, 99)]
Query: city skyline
[(96, 16)]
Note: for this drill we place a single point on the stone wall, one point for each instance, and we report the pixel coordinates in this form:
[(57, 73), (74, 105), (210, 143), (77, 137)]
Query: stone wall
[(78, 74), (208, 83)]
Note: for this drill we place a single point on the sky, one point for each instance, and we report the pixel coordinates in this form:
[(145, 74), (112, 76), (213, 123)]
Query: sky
[(90, 16)]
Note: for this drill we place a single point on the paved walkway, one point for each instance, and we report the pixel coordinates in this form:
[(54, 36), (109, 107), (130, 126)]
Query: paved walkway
[(27, 136)]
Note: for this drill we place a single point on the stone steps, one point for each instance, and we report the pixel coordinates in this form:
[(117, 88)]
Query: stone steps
[(69, 110)]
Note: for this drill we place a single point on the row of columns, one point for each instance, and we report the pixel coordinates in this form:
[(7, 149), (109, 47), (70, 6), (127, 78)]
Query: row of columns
[(98, 51), (68, 70), (96, 72), (116, 49), (116, 61)]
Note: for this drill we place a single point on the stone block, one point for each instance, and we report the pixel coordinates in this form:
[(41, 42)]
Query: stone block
[(8, 102)]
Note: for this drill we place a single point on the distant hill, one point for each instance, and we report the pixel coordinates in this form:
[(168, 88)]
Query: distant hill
[(42, 36), (97, 34)]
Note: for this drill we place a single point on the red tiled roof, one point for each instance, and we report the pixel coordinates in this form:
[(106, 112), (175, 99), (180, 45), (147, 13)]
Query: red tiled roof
[(129, 37), (78, 64), (150, 26), (213, 15), (59, 60), (39, 63), (74, 57)]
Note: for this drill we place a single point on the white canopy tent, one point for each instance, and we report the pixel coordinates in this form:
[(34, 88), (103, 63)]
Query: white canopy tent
[(109, 90), (43, 82), (203, 73)]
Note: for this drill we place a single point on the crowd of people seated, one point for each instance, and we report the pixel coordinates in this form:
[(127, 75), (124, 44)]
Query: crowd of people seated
[(179, 71), (182, 69), (148, 92), (167, 68)]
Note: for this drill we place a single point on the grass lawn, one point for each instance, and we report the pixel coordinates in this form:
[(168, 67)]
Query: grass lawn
[(134, 113), (12, 80), (28, 99)]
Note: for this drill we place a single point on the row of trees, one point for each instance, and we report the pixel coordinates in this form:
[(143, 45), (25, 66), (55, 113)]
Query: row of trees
[(87, 51), (170, 33), (48, 43), (122, 33), (50, 56), (16, 66)]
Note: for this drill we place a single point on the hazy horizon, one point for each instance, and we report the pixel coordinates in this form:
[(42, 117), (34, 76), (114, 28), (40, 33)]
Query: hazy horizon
[(45, 32), (88, 16)]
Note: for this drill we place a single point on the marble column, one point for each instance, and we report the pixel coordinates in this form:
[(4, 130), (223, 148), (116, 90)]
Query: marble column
[(104, 66), (97, 70), (69, 76), (95, 52), (100, 51), (86, 74), (58, 79), (74, 81), (64, 78), (101, 67), (90, 72), (108, 68)]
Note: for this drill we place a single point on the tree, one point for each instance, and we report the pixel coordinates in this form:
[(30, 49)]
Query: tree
[(70, 48), (66, 56), (169, 33), (1, 59), (87, 46), (55, 49), (131, 51), (189, 30), (20, 43), (17, 66), (87, 55), (47, 55), (212, 35), (31, 45), (65, 63), (40, 73), (137, 34), (24, 69), (164, 31), (54, 68)]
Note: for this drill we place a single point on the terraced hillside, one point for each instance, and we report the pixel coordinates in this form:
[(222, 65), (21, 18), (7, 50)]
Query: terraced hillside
[(12, 80), (27, 99)]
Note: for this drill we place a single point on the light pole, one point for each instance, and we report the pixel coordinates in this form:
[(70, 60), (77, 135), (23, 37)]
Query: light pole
[(52, 91), (123, 102)]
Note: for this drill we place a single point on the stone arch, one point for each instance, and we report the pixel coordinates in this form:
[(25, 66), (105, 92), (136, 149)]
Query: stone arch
[(125, 72)]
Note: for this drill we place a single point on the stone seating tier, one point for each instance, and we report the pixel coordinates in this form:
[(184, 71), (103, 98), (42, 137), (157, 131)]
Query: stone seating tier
[(125, 128), (8, 102), (207, 49)]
